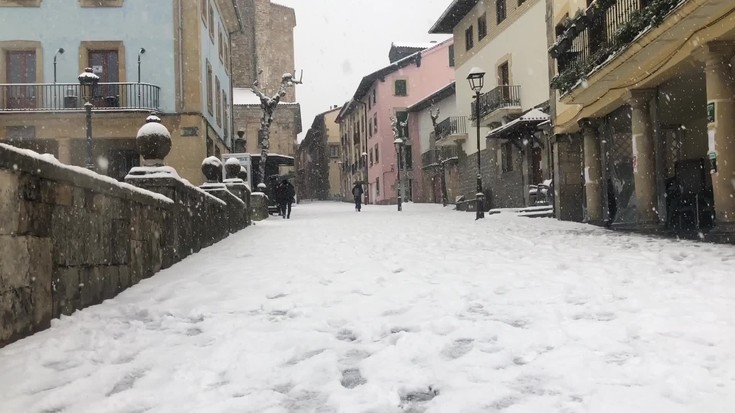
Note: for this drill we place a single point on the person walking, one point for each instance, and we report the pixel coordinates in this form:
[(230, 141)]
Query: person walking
[(285, 193), (357, 193)]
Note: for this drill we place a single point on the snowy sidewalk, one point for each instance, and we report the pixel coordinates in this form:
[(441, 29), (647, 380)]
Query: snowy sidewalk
[(420, 311)]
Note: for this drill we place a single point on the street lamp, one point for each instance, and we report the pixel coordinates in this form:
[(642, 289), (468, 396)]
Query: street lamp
[(398, 142), (140, 52), (367, 184), (240, 142), (58, 52), (477, 79), (88, 80)]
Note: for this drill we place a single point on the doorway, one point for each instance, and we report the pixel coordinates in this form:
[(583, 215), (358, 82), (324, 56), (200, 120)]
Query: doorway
[(21, 73), (106, 65)]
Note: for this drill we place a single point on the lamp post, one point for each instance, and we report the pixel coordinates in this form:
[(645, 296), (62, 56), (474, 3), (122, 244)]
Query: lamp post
[(140, 52), (240, 142), (88, 80), (398, 142), (58, 52), (477, 79)]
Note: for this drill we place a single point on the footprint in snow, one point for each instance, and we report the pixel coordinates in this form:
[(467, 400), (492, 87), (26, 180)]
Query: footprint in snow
[(276, 296), (352, 378), (458, 348)]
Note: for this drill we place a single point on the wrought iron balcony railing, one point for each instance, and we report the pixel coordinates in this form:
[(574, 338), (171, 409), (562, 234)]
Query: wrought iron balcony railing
[(52, 97), (589, 39), (500, 97), (453, 125), (433, 157)]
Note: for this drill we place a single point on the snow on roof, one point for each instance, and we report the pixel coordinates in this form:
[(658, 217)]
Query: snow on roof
[(49, 158), (533, 115), (414, 45)]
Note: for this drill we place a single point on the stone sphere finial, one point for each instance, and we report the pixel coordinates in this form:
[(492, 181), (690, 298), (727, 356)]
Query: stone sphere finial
[(212, 169), (232, 167), (154, 141)]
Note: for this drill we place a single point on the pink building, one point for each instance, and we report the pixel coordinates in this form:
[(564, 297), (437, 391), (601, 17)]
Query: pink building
[(388, 92)]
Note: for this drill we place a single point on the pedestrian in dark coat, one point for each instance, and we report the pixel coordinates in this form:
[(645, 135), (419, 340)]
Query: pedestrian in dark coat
[(357, 193), (285, 194)]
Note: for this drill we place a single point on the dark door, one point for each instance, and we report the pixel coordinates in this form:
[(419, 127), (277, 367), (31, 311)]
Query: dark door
[(121, 161), (504, 81), (21, 70), (105, 64), (536, 171)]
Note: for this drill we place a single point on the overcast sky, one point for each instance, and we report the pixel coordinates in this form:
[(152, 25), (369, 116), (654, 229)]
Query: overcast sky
[(339, 41)]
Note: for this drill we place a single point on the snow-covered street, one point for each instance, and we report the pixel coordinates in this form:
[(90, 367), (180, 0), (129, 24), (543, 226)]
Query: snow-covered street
[(425, 310)]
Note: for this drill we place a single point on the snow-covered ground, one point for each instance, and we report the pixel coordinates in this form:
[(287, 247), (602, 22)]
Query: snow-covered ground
[(423, 311)]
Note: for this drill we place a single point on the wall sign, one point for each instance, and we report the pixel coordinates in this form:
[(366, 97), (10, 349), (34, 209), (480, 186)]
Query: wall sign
[(710, 112)]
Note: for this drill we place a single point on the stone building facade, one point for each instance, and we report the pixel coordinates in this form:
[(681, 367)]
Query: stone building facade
[(183, 48), (264, 51)]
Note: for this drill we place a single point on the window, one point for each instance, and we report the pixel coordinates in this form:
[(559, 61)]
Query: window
[(469, 38), (500, 10), (211, 22), (374, 94), (205, 6), (506, 155), (20, 3), (451, 55), (217, 103), (521, 2), (224, 106), (210, 93), (375, 123), (220, 45), (401, 88), (370, 129), (334, 151), (370, 103), (21, 68), (371, 156), (377, 186), (481, 27), (377, 158)]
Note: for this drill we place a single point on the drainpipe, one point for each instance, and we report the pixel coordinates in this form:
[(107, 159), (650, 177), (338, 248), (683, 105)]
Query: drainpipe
[(365, 150), (181, 55)]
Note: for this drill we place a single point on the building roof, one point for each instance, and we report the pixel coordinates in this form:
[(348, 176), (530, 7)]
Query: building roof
[(433, 98), (367, 82), (452, 16)]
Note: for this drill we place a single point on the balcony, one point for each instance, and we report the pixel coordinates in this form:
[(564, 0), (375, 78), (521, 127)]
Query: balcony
[(58, 97), (593, 39), (451, 130), (499, 102), (434, 157)]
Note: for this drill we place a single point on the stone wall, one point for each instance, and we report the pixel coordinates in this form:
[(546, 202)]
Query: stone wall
[(70, 238)]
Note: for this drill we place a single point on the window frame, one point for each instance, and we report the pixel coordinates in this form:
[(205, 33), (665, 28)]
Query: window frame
[(218, 101), (396, 90), (210, 88), (501, 10), (20, 3), (469, 38), (482, 27), (211, 22)]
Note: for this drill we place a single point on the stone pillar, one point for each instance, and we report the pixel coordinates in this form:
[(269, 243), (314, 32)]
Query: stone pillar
[(567, 181), (644, 156), (721, 99), (65, 151), (592, 170)]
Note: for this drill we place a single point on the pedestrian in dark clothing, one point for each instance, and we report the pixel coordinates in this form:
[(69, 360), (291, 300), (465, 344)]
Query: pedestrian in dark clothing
[(357, 193), (285, 193)]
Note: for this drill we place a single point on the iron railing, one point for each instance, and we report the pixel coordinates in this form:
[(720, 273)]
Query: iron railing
[(453, 125), (52, 97), (590, 38), (588, 45), (500, 97), (432, 157)]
